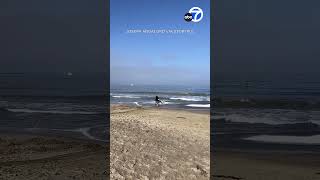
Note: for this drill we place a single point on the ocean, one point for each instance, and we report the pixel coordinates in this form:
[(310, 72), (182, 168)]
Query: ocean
[(68, 104), (247, 112), (266, 111), (176, 97)]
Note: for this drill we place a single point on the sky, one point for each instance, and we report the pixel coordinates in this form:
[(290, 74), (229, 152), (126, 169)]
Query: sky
[(53, 36), (269, 37), (159, 59)]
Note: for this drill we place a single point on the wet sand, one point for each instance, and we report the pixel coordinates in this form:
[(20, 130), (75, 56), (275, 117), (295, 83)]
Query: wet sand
[(228, 165), (56, 158), (153, 143)]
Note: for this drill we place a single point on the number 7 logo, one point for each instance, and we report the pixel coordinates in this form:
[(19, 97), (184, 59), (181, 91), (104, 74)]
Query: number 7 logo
[(197, 14)]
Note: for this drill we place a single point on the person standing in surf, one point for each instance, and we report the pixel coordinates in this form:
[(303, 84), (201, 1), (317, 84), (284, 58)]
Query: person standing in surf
[(158, 101)]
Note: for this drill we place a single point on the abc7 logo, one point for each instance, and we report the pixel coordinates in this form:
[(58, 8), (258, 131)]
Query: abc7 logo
[(195, 14)]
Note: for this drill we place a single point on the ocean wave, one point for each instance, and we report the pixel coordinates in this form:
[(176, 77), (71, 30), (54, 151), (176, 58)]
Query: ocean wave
[(317, 122), (191, 98), (199, 105), (153, 93), (163, 102), (267, 116), (256, 119), (85, 131), (233, 102), (168, 102), (280, 139), (52, 111), (136, 103), (126, 96)]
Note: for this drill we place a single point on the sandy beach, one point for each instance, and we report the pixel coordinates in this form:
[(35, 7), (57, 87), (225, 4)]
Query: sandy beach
[(39, 157), (149, 143), (153, 143), (265, 166)]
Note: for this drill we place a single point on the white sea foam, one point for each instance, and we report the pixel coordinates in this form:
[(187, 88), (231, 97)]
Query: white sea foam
[(163, 102), (254, 119), (168, 102), (316, 121), (84, 131), (191, 98), (50, 111), (307, 140), (148, 102), (199, 105), (136, 103), (269, 116), (126, 96), (315, 117)]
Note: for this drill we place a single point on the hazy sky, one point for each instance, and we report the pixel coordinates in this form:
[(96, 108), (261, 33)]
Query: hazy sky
[(270, 36), (53, 36), (273, 37), (159, 58)]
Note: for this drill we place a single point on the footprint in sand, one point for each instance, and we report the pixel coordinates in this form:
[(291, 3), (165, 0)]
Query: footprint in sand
[(181, 117), (228, 177)]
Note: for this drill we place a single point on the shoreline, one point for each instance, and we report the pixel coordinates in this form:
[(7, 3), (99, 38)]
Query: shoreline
[(151, 142), (51, 133), (234, 158), (61, 136), (186, 109)]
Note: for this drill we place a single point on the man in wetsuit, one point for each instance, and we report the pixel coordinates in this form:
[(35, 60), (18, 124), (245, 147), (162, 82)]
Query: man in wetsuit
[(157, 100)]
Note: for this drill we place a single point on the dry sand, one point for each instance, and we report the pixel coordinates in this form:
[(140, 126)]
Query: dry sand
[(55, 158), (153, 143)]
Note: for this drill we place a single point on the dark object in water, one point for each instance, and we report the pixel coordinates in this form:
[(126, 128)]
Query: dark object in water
[(158, 101)]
